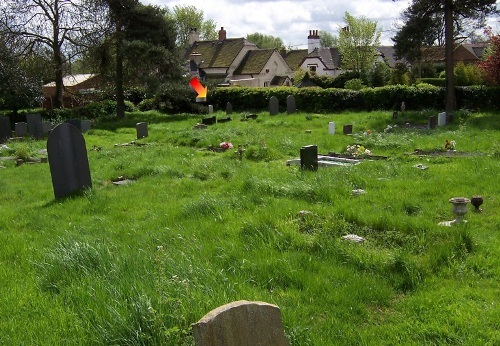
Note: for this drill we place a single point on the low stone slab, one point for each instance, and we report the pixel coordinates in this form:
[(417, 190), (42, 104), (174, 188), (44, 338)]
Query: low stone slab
[(241, 323)]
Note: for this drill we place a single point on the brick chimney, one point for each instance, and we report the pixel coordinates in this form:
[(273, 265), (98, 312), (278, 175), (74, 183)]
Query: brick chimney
[(194, 36), (222, 34), (313, 41)]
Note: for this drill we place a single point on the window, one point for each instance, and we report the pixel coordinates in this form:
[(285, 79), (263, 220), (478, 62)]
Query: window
[(312, 68)]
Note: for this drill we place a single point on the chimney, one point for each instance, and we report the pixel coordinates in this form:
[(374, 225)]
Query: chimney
[(313, 41), (222, 34), (194, 36)]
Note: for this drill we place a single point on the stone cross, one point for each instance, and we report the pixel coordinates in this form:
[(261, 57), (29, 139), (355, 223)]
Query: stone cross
[(35, 127), (290, 104), (5, 129), (68, 161), (274, 107), (241, 323), (142, 130), (309, 157)]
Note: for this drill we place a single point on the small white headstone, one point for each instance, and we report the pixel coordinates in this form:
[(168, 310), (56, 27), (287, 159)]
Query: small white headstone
[(331, 127), (442, 119), (210, 109)]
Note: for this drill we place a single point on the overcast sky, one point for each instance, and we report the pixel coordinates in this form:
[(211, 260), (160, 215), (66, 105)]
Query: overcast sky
[(291, 20)]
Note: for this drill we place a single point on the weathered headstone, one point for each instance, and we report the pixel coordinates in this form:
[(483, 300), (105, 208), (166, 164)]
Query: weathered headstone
[(309, 157), (75, 122), (347, 129), (441, 119), (395, 115), (210, 109), (290, 104), (85, 124), (21, 129), (5, 130), (241, 323), (69, 165), (432, 123), (142, 130), (331, 127), (46, 127), (274, 107), (35, 127), (229, 108), (209, 121)]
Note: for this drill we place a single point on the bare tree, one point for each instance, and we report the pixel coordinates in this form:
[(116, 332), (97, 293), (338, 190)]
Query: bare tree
[(65, 27)]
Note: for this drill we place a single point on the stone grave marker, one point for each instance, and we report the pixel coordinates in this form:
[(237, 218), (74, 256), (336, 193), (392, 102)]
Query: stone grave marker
[(274, 107), (21, 129), (347, 129), (142, 130), (432, 123), (68, 161), (241, 323), (331, 127), (75, 122), (309, 157), (35, 127), (441, 119), (209, 121), (229, 108), (46, 127), (290, 104), (210, 109), (5, 130), (85, 124)]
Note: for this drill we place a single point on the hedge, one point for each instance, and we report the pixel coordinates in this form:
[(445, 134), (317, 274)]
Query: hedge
[(330, 100)]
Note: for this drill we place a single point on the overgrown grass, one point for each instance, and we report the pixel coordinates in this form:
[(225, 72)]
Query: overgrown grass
[(138, 264)]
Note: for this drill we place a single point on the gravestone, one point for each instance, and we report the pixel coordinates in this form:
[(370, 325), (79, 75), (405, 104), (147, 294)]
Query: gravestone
[(441, 119), (142, 130), (21, 129), (347, 129), (229, 108), (274, 106), (395, 115), (331, 127), (209, 121), (85, 124), (210, 109), (241, 323), (46, 127), (69, 165), (432, 123), (35, 127), (290, 104), (75, 122), (309, 157), (5, 130)]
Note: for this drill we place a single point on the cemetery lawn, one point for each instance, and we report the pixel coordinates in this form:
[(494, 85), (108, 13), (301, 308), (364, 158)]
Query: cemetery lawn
[(137, 264)]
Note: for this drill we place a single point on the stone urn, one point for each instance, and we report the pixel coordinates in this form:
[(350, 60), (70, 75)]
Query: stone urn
[(476, 201), (459, 209)]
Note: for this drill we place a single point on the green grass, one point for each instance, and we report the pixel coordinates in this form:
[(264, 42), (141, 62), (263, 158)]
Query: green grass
[(138, 264)]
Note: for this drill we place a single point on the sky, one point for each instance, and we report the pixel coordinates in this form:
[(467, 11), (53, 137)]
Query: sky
[(291, 20)]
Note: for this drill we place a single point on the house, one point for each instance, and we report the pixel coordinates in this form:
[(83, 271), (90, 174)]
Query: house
[(75, 86), (236, 61), (468, 53)]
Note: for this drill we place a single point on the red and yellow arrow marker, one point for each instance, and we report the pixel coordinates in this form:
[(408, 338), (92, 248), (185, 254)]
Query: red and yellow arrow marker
[(200, 89)]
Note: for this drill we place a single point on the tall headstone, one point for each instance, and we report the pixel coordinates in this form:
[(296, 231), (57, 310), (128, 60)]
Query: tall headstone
[(290, 104), (432, 123), (331, 127), (229, 108), (69, 165), (5, 129), (210, 109), (442, 119), (241, 323), (142, 130), (309, 157), (35, 127), (347, 129), (274, 107), (21, 129), (46, 127), (75, 122)]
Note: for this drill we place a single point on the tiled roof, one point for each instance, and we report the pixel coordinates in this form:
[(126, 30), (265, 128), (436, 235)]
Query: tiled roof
[(294, 57), (279, 80), (329, 56), (254, 61), (476, 48), (72, 80), (389, 55), (217, 53)]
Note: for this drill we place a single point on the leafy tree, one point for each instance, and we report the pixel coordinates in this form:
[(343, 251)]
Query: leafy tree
[(265, 41), (427, 22), (491, 63), (379, 75), (327, 40), (186, 18), (63, 27), (357, 42)]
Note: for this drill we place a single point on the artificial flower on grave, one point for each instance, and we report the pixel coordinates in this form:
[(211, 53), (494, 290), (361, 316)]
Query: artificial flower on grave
[(449, 145), (356, 150), (226, 145)]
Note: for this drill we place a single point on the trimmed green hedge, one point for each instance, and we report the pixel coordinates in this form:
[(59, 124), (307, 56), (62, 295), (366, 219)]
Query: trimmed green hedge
[(330, 100)]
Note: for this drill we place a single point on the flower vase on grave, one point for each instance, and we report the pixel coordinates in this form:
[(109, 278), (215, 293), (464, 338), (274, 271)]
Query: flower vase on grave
[(459, 209)]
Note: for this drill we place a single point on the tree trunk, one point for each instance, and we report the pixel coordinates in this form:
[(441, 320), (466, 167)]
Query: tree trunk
[(57, 60), (449, 47), (120, 97)]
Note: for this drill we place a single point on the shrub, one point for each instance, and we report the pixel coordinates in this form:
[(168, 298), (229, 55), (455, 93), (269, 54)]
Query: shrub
[(354, 84)]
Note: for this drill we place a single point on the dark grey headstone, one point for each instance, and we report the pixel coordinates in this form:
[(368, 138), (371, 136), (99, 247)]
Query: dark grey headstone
[(46, 127), (433, 121), (85, 125), (75, 122), (5, 129), (347, 129), (142, 130), (209, 121), (290, 104), (274, 107), (69, 165), (229, 108), (35, 127), (21, 129), (309, 157)]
